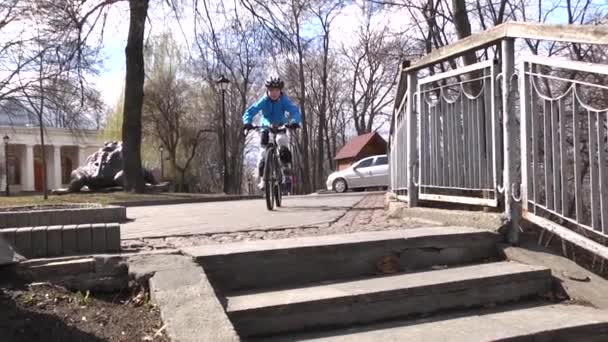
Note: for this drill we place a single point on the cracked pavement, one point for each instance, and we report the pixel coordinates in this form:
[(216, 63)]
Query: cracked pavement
[(301, 216)]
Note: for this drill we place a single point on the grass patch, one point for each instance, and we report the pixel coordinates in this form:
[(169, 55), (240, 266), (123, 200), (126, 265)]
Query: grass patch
[(99, 198), (83, 299)]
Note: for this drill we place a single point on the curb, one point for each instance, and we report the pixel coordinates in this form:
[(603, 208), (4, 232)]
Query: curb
[(64, 216), (185, 201)]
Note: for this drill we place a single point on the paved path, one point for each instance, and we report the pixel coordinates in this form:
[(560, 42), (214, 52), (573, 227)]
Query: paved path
[(220, 217)]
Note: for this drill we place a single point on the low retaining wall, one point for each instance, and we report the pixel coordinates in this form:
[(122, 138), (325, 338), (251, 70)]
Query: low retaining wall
[(55, 241), (64, 216)]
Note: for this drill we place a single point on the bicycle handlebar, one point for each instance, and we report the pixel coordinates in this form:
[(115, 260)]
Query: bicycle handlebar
[(278, 129)]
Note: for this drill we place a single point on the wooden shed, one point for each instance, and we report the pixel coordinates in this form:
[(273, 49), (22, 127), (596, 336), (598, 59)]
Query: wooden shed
[(359, 147)]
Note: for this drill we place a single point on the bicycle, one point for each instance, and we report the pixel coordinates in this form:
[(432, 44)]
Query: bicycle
[(273, 176)]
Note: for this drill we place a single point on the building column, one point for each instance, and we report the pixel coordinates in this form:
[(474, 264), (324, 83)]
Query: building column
[(4, 169), (82, 157), (56, 168), (27, 169), (48, 154)]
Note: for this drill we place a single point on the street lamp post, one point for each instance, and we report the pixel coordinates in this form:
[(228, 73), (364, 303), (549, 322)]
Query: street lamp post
[(162, 163), (6, 139), (224, 83)]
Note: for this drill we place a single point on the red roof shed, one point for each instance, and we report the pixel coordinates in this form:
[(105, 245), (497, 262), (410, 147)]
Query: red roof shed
[(359, 147)]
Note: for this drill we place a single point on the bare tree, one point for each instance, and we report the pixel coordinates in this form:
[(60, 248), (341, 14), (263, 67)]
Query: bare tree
[(85, 16), (296, 13), (49, 54), (59, 51), (12, 61), (235, 49), (134, 97), (170, 112), (326, 13), (73, 108), (373, 61), (284, 22), (35, 97)]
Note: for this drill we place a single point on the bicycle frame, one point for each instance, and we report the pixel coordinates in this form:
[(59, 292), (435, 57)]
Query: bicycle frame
[(272, 176)]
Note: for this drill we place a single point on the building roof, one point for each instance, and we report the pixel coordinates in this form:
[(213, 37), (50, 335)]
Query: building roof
[(12, 114), (356, 145)]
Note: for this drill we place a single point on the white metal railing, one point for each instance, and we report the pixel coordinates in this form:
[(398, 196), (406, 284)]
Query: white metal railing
[(564, 142), (458, 135), (398, 157), (460, 142)]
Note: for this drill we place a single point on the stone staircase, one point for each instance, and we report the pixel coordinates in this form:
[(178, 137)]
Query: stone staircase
[(427, 284)]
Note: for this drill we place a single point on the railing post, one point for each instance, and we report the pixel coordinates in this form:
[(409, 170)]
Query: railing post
[(510, 137), (412, 138), (525, 130)]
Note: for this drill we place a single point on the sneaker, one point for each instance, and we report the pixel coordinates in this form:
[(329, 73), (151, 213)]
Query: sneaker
[(261, 184), (285, 173)]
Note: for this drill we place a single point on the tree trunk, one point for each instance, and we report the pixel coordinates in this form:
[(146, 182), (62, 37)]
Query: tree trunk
[(322, 114), (463, 27), (330, 156), (45, 180), (305, 150), (182, 182), (134, 96), (236, 166)]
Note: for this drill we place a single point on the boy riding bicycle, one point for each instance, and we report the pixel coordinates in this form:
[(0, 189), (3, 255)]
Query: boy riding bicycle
[(273, 106)]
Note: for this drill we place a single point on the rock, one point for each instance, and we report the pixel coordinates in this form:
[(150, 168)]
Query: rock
[(388, 265), (8, 255)]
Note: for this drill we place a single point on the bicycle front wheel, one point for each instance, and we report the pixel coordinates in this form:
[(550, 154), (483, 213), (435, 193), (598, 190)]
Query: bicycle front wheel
[(278, 195), (268, 178)]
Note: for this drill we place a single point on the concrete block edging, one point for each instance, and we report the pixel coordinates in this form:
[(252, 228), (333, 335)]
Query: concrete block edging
[(66, 240)]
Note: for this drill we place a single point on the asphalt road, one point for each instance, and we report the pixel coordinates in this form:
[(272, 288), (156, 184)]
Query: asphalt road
[(233, 216)]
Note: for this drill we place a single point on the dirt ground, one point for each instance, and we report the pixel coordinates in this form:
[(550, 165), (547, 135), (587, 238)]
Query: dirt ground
[(44, 312)]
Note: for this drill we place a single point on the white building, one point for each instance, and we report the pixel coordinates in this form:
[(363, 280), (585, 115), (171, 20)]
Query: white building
[(64, 149)]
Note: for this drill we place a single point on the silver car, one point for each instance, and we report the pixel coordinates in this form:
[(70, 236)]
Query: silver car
[(366, 173)]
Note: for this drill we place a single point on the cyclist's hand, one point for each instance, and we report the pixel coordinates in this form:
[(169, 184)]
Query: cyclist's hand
[(293, 125)]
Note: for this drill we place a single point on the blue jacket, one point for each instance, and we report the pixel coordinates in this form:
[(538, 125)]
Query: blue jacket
[(273, 112)]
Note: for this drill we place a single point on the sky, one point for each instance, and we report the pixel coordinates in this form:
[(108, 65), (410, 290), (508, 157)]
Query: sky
[(111, 77), (112, 73)]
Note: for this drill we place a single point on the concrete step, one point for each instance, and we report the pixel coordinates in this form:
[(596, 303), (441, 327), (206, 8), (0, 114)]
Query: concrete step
[(299, 261), (381, 298), (513, 323)]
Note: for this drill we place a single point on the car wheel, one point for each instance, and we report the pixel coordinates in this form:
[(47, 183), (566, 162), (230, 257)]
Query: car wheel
[(340, 185)]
